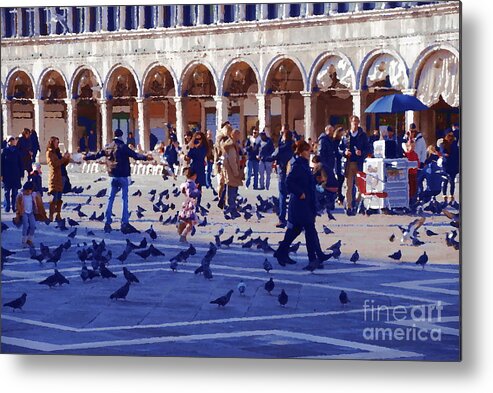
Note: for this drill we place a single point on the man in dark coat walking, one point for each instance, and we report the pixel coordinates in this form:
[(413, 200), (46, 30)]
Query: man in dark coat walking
[(12, 172), (25, 150), (34, 145), (117, 155)]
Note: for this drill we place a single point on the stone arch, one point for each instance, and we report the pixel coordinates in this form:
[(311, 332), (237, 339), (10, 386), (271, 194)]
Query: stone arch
[(11, 74), (151, 67), (274, 61), (322, 58), (46, 71), (422, 59), (77, 72), (368, 62), (113, 70), (189, 67), (230, 64)]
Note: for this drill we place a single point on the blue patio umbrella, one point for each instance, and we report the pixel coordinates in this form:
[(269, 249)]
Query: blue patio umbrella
[(396, 103)]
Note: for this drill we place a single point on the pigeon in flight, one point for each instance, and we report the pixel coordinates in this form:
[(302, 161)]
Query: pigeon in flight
[(422, 260), (283, 298), (121, 293), (223, 300), (396, 255), (17, 303)]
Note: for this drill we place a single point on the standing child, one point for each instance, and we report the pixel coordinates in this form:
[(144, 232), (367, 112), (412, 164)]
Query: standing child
[(411, 155), (26, 208), (35, 178), (187, 215)]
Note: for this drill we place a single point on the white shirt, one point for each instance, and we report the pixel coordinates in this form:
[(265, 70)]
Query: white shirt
[(420, 148), (28, 203)]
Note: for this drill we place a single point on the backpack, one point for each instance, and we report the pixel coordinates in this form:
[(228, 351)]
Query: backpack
[(110, 153)]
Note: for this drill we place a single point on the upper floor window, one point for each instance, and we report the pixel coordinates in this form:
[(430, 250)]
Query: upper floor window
[(229, 13), (294, 10), (251, 12), (112, 16), (369, 6), (318, 8), (272, 11), (208, 14)]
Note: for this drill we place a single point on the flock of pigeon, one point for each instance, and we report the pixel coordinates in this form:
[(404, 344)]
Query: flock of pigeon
[(96, 257)]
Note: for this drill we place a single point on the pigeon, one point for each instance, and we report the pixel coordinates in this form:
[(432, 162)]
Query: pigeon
[(152, 233), (217, 240), (61, 278), (90, 233), (241, 288), (101, 193), (267, 265), (392, 238), (130, 276), (51, 281), (137, 193), (247, 233), (81, 214), (128, 229), (354, 257), (121, 293), (336, 253), (429, 232), (56, 255), (335, 246), (248, 244), (331, 217), (259, 216), (396, 255), (73, 233), (343, 298), (86, 274), (33, 255), (17, 303), (283, 298), (327, 230), (45, 250), (88, 201), (123, 257), (203, 223), (223, 300), (228, 241), (144, 253), (422, 260), (174, 266), (72, 223), (105, 272), (269, 286), (207, 273), (416, 242), (412, 228)]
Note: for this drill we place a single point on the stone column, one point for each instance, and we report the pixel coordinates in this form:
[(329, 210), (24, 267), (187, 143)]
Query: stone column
[(87, 19), (221, 110), (331, 8), (105, 122), (261, 111), (179, 118), (262, 11), (411, 116), (20, 19), (384, 6), (141, 16), (284, 10), (200, 14), (141, 124), (179, 15), (71, 124), (202, 116), (219, 17), (160, 16), (39, 122), (310, 131), (309, 9), (104, 18), (357, 104), (122, 11), (3, 24), (241, 12), (69, 13), (6, 117)]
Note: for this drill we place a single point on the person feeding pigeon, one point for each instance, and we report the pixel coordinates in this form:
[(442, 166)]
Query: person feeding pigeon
[(187, 215), (117, 155)]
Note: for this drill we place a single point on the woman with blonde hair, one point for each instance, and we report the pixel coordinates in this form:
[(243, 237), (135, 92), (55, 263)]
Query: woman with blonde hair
[(56, 163)]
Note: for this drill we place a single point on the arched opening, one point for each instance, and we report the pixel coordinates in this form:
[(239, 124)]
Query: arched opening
[(240, 86), (122, 107), (53, 92), (159, 104), (19, 94), (437, 86), (384, 74), (198, 93), (284, 103), (86, 91), (332, 82)]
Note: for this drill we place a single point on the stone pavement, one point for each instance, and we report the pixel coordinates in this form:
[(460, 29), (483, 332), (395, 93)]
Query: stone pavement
[(397, 310)]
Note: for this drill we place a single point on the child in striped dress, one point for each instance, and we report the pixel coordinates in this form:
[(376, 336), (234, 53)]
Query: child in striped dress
[(187, 215)]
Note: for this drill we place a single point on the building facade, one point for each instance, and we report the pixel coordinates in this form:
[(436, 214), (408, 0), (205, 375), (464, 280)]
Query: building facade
[(66, 70)]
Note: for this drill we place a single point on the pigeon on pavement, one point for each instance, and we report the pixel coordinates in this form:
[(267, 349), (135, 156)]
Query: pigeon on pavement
[(17, 303), (223, 300)]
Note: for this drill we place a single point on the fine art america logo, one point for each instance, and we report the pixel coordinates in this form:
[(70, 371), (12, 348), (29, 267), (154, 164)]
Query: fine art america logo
[(412, 323)]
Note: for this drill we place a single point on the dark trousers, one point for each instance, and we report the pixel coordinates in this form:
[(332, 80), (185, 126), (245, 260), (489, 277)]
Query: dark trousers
[(208, 174), (311, 238), (283, 195), (232, 194), (10, 195), (449, 180)]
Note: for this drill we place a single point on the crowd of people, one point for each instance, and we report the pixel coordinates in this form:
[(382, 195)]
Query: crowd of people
[(310, 175)]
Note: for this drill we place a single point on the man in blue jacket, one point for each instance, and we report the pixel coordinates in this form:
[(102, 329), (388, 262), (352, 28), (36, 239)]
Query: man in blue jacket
[(327, 149), (355, 148), (12, 172), (253, 149), (265, 161), (282, 155), (117, 155), (92, 141)]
